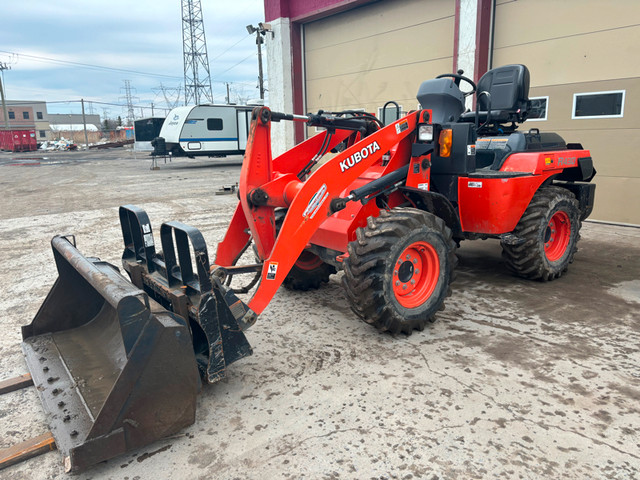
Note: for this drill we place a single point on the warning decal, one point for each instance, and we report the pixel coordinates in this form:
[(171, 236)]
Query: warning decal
[(272, 269), (401, 127)]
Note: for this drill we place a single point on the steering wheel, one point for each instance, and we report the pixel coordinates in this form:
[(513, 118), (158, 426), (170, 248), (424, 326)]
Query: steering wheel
[(461, 77)]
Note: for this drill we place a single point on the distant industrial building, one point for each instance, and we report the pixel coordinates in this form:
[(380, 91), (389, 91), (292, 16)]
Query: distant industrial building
[(33, 115), (27, 115), (73, 119)]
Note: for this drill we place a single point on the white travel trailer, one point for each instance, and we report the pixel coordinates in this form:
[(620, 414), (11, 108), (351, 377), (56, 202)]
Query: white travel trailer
[(204, 130)]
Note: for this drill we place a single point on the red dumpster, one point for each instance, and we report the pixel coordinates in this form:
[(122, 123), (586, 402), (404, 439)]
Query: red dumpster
[(18, 140)]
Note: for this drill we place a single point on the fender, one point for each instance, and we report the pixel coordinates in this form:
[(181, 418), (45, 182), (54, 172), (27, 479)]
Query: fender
[(437, 204)]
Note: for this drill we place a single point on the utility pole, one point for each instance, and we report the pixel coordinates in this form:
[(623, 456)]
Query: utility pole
[(228, 96), (260, 32), (197, 79), (84, 123), (3, 67)]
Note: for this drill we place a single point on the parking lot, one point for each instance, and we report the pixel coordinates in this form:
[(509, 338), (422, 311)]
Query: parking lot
[(516, 379)]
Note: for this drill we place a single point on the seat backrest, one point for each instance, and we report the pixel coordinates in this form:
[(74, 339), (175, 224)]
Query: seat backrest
[(508, 87)]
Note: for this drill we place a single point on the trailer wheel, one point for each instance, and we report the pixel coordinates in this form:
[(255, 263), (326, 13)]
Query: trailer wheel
[(550, 230), (399, 270)]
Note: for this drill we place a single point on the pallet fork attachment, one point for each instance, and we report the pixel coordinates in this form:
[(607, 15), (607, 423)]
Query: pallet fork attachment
[(215, 316), (116, 364)]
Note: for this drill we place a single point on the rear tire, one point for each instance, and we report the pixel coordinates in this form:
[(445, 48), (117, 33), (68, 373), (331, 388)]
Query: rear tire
[(308, 273), (550, 228), (399, 270)]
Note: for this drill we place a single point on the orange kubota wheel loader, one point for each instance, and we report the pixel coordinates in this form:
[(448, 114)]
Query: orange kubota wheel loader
[(118, 363)]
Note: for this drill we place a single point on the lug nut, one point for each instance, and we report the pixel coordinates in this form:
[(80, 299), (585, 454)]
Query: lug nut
[(404, 287), (397, 283)]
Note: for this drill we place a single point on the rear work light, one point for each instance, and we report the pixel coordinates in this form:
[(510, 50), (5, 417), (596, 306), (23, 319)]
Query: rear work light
[(445, 140), (425, 133)]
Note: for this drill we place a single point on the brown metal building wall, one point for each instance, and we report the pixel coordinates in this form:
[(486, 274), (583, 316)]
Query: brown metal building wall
[(366, 56), (581, 46)]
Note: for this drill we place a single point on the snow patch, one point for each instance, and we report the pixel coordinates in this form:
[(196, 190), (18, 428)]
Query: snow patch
[(629, 291)]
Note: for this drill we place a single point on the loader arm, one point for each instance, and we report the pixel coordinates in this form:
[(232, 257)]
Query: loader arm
[(310, 200), (257, 172)]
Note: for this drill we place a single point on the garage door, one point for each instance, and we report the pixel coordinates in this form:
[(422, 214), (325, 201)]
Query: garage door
[(585, 84), (364, 57)]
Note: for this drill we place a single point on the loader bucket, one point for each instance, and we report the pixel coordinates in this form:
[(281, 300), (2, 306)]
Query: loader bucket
[(114, 370)]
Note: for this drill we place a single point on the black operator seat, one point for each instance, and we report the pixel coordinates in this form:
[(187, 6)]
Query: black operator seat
[(508, 96)]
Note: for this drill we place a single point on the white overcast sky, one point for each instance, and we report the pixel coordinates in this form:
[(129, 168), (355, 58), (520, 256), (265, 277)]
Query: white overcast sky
[(141, 36)]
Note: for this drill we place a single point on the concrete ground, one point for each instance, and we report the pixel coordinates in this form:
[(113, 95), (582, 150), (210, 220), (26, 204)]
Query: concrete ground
[(516, 379)]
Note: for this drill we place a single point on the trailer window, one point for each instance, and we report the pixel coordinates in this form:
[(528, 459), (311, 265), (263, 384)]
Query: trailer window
[(598, 104), (214, 124), (538, 108)]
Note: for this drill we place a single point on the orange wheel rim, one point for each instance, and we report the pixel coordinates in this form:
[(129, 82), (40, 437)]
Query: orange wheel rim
[(415, 274), (557, 236), (308, 261)]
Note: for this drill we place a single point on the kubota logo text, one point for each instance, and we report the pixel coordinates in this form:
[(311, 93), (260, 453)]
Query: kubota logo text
[(357, 157)]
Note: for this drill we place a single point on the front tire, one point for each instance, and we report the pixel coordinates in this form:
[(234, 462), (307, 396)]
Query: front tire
[(399, 270), (550, 230)]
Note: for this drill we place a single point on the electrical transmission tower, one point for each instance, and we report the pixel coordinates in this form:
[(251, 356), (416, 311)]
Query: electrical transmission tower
[(129, 99), (171, 94), (197, 79)]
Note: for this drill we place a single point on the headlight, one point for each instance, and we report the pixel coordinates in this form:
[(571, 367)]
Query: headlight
[(425, 133)]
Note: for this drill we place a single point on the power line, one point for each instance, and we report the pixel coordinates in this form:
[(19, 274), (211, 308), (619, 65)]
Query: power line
[(242, 39), (14, 103), (234, 66), (121, 70), (87, 65)]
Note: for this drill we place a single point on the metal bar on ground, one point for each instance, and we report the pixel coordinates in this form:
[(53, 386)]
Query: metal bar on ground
[(16, 383), (28, 449)]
